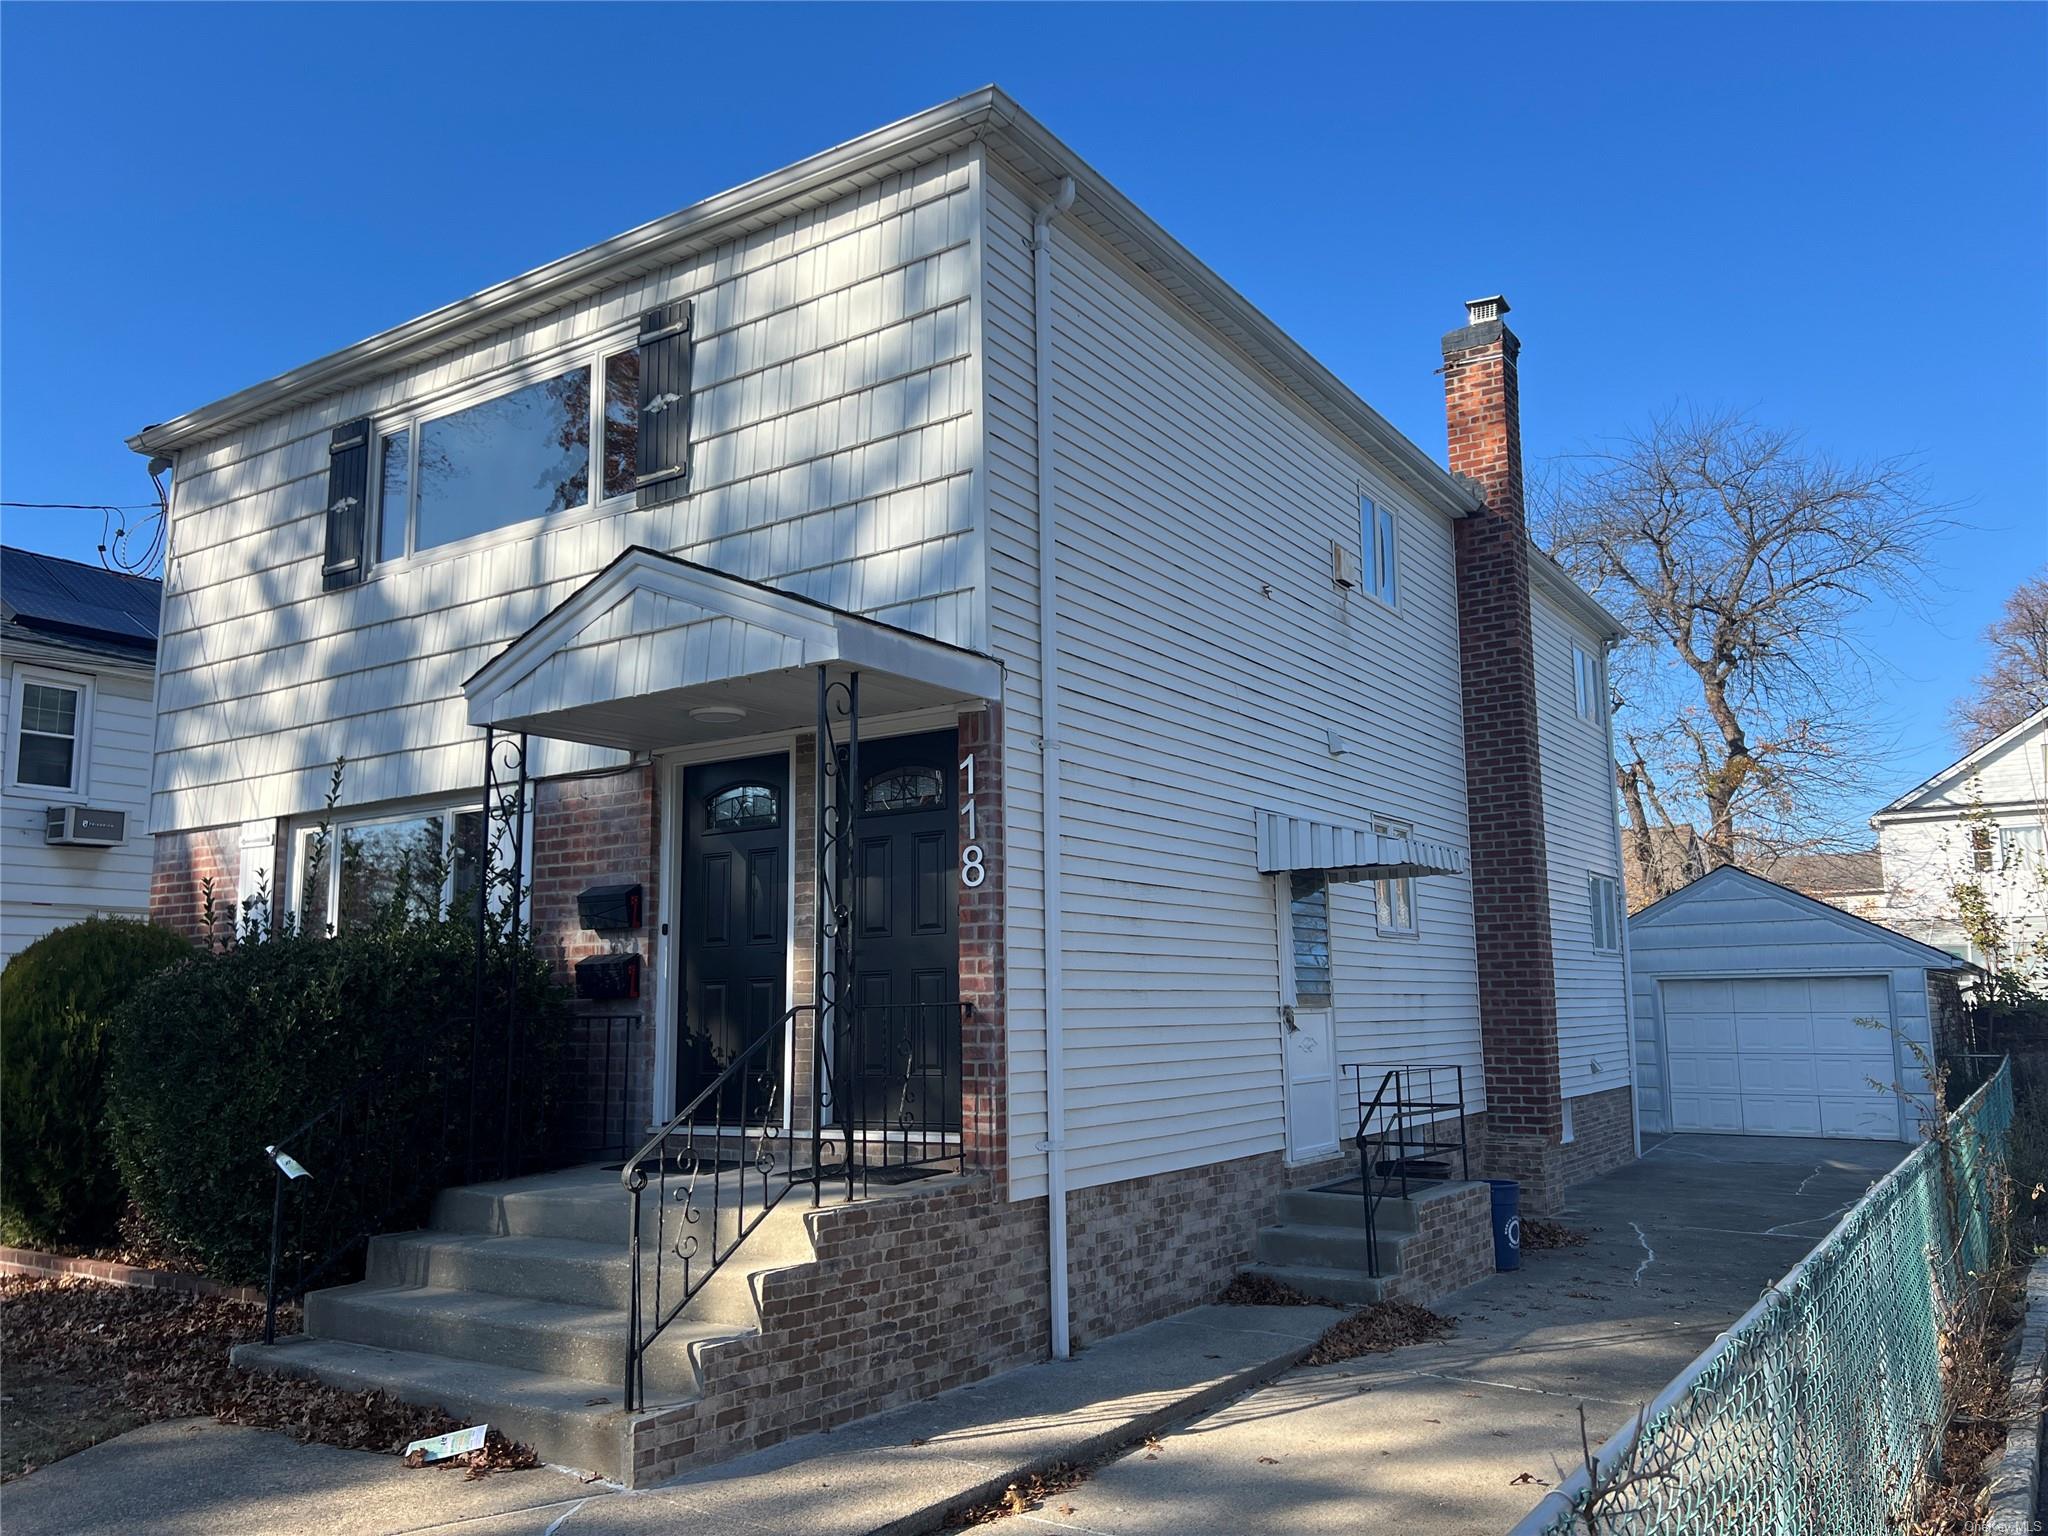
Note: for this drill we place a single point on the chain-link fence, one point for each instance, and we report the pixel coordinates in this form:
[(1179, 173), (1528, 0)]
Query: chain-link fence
[(1817, 1413)]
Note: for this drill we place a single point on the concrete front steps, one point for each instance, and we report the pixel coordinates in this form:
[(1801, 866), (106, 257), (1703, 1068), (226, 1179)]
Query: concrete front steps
[(1319, 1244), (510, 1309)]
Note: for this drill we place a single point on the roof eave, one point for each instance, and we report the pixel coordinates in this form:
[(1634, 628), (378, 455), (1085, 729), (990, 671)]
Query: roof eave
[(984, 114), (535, 289)]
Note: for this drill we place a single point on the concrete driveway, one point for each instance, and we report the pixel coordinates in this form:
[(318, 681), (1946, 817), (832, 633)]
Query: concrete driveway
[(1466, 1435)]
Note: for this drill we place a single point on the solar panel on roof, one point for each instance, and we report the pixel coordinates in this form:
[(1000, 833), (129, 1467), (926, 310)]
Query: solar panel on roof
[(47, 592)]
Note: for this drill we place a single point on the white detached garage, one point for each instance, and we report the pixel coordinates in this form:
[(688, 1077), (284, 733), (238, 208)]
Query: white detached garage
[(1762, 1011)]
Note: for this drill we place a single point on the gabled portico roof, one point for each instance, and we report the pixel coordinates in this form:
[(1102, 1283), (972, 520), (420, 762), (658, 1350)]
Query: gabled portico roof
[(656, 651)]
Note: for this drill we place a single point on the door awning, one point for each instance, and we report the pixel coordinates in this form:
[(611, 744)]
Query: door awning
[(1296, 844), (656, 651)]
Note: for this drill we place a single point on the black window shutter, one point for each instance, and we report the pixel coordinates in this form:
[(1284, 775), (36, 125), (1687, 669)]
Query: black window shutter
[(348, 504), (664, 444)]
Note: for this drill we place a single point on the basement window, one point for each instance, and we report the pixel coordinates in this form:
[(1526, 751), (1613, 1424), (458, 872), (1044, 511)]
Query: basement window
[(349, 873)]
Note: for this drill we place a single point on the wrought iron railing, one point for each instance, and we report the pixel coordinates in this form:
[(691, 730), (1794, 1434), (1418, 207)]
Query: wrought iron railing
[(894, 1090), (713, 1169), (1404, 1134)]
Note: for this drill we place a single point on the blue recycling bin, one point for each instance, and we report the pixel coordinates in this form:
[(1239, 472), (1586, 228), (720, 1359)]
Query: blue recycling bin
[(1507, 1223)]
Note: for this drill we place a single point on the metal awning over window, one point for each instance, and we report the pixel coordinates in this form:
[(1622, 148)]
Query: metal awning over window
[(1288, 844)]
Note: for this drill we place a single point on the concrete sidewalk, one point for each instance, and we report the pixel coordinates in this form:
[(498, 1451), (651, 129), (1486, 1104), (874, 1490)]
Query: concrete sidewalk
[(1465, 1435), (903, 1471)]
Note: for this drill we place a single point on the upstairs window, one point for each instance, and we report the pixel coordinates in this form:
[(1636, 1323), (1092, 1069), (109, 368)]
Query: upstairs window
[(549, 446), (1589, 682), (1980, 848), (50, 714), (1382, 569), (2024, 846), (1603, 896)]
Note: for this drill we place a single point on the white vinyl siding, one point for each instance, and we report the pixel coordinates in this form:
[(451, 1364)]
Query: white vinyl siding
[(41, 887), (1206, 656), (834, 440), (1578, 835)]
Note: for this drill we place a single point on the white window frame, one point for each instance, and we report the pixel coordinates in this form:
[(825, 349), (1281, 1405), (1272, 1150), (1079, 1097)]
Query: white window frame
[(2021, 844), (1384, 892), (1380, 550), (1605, 912), (591, 356), (81, 734), (1589, 682), (384, 815)]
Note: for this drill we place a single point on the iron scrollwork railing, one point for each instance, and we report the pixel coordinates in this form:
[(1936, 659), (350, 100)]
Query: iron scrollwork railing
[(716, 1174), (1402, 1134)]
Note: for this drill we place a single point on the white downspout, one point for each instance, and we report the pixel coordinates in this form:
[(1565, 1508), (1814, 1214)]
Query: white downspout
[(1055, 1144), (1628, 974)]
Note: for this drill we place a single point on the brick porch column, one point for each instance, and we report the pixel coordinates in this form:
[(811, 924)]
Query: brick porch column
[(1503, 778), (984, 1084)]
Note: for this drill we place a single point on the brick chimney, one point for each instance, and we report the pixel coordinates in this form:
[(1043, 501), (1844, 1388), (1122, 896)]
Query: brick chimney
[(1503, 776)]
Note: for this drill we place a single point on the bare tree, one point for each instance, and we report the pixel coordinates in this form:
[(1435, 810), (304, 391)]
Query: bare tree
[(2015, 685), (1737, 558)]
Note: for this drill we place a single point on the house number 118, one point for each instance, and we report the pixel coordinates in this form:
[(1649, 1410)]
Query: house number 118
[(972, 868)]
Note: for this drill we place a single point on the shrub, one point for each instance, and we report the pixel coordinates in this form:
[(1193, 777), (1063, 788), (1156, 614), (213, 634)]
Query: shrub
[(217, 1061), (57, 1183)]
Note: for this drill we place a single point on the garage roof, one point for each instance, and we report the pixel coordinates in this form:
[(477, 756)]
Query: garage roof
[(1911, 951)]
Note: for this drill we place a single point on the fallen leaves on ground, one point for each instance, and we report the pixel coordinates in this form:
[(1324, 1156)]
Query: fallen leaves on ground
[(141, 1356), (1376, 1329), (1024, 1496), (1538, 1233), (1249, 1290), (498, 1455)]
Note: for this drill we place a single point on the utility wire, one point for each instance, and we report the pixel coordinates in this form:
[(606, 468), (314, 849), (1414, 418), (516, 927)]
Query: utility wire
[(86, 506)]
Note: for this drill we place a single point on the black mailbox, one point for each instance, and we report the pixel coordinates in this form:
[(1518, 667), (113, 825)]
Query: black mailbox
[(607, 908), (608, 977)]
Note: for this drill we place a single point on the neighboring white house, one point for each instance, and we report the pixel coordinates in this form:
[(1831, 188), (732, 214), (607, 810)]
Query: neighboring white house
[(1214, 738), (1981, 821), (1763, 1011), (77, 661)]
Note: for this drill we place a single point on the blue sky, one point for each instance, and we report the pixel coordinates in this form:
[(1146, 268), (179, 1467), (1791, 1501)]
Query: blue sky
[(1833, 216)]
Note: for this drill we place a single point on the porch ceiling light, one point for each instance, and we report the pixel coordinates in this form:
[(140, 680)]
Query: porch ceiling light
[(717, 714)]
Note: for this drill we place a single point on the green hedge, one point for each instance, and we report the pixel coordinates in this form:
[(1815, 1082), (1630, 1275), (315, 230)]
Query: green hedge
[(57, 1181), (215, 1062)]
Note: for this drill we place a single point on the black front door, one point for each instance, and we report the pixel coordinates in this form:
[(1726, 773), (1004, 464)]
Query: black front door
[(903, 1034), (735, 930)]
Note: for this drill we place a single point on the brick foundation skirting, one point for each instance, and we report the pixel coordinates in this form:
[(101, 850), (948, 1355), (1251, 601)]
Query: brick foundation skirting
[(30, 1261), (910, 1295), (1604, 1137), (1453, 1243)]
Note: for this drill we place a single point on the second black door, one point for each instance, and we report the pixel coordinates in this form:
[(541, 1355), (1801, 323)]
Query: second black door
[(903, 1035)]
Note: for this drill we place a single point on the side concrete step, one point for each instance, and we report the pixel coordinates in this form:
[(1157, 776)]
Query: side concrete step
[(1351, 1287), (569, 1421), (1329, 1247)]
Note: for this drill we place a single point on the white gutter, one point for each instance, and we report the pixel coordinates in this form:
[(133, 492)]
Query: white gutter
[(1628, 974), (1055, 1144)]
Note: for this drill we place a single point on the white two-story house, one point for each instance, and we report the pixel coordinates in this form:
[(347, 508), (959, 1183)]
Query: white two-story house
[(77, 661), (1981, 823), (1198, 748)]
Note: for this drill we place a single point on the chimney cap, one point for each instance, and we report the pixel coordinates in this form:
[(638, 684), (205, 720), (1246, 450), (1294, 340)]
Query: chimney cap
[(1479, 311)]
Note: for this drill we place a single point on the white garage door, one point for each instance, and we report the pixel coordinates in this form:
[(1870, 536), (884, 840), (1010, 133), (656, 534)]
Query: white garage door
[(1781, 1056)]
